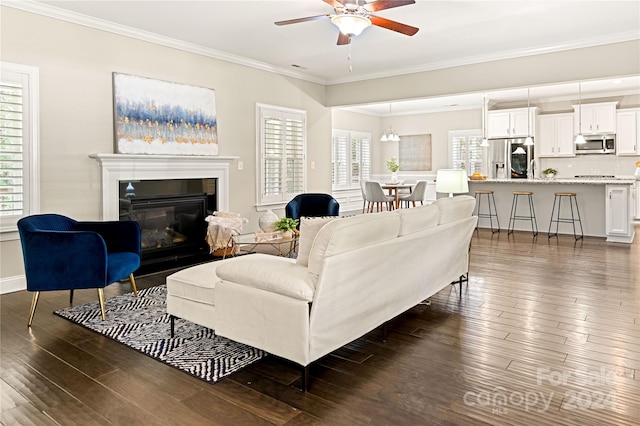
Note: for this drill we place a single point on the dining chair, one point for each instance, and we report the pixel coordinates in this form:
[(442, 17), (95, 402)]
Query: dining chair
[(366, 196), (378, 197), (417, 194)]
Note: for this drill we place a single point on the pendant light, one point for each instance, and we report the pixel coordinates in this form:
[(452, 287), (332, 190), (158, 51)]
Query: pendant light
[(485, 142), (529, 140), (579, 137), (390, 135)]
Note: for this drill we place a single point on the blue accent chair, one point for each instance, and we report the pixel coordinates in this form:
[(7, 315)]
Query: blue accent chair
[(312, 205), (63, 254)]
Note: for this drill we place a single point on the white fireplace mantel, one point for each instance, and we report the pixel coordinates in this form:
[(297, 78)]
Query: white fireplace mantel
[(124, 167)]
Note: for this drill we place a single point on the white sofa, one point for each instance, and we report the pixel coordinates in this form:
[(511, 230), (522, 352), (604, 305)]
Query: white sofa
[(356, 273)]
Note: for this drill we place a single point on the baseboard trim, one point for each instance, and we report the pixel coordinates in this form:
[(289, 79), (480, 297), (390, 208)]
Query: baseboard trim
[(12, 284)]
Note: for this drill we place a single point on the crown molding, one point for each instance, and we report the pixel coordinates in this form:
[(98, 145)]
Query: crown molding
[(99, 24), (471, 60), (76, 18)]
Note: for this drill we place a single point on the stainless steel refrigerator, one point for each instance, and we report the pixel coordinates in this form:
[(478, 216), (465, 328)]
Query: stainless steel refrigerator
[(509, 158)]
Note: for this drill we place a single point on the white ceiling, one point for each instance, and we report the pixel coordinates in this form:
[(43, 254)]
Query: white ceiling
[(451, 33)]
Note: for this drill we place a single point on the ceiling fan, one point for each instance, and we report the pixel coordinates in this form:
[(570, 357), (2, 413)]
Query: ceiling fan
[(353, 16)]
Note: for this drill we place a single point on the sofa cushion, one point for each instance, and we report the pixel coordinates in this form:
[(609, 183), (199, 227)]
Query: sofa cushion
[(309, 227), (418, 219), (195, 283), (271, 273), (351, 233), (455, 208)]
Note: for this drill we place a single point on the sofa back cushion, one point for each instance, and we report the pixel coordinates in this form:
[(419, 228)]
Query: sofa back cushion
[(309, 228), (455, 208), (418, 219), (351, 233)]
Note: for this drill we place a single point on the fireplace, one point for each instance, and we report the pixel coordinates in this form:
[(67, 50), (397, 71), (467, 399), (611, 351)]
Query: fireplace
[(171, 215), (169, 196)]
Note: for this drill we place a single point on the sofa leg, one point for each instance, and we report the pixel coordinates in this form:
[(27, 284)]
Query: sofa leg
[(172, 319), (71, 297), (305, 378), (385, 331)]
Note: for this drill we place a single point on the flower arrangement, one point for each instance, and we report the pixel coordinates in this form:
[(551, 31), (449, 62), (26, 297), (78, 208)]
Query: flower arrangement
[(549, 171), (392, 164)]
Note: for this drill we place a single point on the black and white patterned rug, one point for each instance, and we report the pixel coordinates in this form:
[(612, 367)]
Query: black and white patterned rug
[(142, 323)]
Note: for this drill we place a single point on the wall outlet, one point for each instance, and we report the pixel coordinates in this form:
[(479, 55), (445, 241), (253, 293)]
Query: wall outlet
[(240, 165), (313, 165)]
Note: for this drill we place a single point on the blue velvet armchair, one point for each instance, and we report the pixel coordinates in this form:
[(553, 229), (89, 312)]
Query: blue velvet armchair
[(312, 205), (63, 254)]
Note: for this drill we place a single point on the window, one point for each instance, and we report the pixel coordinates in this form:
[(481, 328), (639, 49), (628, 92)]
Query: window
[(350, 159), (282, 138), (465, 151), (18, 145)]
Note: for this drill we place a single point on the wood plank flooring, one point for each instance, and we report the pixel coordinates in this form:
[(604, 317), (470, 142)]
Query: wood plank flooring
[(546, 333)]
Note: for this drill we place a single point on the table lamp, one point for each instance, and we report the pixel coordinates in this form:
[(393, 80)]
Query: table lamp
[(453, 181)]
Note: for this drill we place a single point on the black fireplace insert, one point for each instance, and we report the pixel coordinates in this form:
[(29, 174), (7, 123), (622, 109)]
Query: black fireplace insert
[(171, 216)]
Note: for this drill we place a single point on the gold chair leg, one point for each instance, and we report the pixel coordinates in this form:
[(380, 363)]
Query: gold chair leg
[(133, 285), (101, 298), (34, 302)]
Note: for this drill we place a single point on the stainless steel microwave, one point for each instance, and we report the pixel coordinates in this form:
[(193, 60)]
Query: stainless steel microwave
[(597, 144)]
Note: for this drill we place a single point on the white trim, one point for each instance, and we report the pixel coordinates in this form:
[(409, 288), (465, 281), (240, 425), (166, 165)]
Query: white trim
[(10, 232), (120, 167), (12, 284)]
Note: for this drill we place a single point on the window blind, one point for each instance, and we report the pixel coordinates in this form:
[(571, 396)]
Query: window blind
[(11, 149), (351, 159), (283, 151), (465, 151)]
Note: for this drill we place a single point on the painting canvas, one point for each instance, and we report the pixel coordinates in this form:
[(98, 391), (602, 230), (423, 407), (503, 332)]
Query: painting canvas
[(415, 152), (160, 117)]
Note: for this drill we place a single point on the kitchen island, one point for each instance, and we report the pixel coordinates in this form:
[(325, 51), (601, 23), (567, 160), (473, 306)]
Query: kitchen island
[(606, 204)]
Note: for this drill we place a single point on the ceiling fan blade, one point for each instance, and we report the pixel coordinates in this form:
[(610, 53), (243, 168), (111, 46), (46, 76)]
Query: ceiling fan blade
[(343, 39), (334, 3), (393, 25), (308, 18), (375, 6)]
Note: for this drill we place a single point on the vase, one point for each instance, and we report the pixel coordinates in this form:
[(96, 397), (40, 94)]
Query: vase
[(394, 177), (287, 235), (267, 220)]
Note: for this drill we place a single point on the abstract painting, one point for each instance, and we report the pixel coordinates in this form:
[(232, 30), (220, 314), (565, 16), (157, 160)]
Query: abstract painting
[(415, 152), (164, 118)]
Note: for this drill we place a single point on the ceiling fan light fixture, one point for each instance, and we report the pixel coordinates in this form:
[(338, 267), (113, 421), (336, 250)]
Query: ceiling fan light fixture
[(351, 25)]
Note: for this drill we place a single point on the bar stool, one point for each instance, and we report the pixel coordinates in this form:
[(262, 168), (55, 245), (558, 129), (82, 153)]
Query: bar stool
[(573, 200), (490, 200), (514, 209)]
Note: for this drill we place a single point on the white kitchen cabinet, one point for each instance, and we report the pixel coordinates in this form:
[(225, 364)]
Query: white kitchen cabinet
[(628, 132), (618, 211), (511, 123), (596, 118), (555, 136)]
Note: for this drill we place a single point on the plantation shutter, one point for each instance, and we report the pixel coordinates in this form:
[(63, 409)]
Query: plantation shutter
[(282, 159), (13, 126), (340, 178), (351, 159), (465, 151)]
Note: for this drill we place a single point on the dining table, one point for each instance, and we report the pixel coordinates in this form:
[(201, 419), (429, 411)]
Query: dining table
[(394, 188)]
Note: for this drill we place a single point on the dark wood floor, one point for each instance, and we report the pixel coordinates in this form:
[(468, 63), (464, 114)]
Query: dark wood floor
[(547, 333)]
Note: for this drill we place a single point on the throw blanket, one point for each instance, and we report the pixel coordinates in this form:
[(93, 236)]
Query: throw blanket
[(222, 226)]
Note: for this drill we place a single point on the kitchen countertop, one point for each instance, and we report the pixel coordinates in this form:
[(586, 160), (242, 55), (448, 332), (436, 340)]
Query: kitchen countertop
[(561, 181)]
